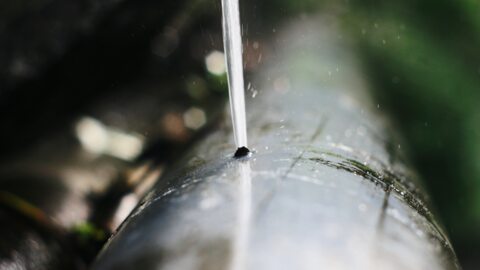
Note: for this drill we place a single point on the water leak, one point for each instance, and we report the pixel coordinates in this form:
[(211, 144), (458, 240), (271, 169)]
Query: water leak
[(241, 152), (232, 41)]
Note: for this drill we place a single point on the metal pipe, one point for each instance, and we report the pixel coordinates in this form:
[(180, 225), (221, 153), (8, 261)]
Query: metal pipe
[(326, 187)]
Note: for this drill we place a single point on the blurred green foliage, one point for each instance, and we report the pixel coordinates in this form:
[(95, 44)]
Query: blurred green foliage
[(424, 62)]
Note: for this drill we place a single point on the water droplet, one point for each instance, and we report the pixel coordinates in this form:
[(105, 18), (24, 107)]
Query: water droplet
[(361, 131), (362, 207)]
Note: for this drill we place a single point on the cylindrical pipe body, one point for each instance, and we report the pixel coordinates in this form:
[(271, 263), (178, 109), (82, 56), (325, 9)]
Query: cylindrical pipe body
[(326, 186)]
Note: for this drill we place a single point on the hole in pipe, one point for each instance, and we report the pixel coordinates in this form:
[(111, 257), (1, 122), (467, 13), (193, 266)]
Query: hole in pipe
[(241, 152)]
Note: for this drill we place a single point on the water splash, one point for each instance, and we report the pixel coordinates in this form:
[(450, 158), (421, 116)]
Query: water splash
[(232, 41)]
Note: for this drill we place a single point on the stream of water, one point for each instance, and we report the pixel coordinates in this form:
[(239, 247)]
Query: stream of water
[(232, 40)]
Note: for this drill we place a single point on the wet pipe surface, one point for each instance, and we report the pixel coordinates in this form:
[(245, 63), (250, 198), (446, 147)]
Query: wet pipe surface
[(326, 186)]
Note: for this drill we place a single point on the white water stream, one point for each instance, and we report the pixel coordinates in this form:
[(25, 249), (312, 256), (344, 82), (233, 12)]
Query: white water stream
[(232, 40)]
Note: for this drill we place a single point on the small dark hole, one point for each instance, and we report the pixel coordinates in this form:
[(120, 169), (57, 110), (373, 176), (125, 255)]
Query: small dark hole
[(241, 152)]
